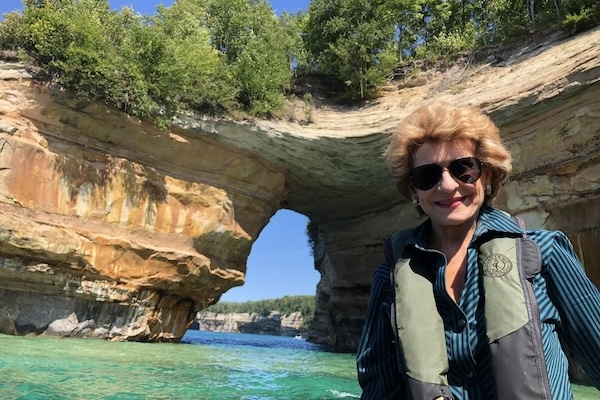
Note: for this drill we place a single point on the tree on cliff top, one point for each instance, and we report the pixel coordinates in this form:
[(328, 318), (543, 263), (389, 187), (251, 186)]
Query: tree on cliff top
[(212, 56), (230, 56), (351, 42), (250, 37), (285, 305)]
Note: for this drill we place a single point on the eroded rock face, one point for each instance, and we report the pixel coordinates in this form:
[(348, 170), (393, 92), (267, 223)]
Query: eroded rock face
[(136, 229), (122, 224), (273, 324)]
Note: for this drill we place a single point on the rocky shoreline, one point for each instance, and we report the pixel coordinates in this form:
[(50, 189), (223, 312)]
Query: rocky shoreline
[(273, 324)]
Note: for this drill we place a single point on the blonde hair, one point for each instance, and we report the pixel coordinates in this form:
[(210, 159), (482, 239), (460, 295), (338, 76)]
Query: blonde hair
[(440, 121)]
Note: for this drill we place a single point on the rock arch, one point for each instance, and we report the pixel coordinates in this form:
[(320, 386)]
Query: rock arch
[(133, 229)]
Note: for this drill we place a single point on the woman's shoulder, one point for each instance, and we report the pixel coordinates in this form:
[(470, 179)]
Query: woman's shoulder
[(550, 241), (546, 237), (382, 273), (543, 237)]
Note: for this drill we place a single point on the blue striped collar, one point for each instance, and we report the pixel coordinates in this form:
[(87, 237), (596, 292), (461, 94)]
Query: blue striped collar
[(491, 221), (494, 221)]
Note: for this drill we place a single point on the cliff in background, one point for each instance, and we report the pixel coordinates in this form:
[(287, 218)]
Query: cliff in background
[(273, 324), (112, 228)]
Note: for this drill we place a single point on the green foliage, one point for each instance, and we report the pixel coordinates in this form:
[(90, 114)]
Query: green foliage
[(312, 231), (448, 44), (148, 67), (249, 35), (285, 305), (198, 72), (155, 66), (309, 106), (510, 18), (293, 26), (11, 31), (582, 19), (227, 56), (349, 41)]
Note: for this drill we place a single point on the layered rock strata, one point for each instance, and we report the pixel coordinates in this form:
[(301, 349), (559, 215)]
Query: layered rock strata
[(136, 229), (124, 225), (273, 324)]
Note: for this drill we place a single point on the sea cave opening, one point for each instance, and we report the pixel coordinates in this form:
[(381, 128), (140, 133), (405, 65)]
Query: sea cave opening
[(280, 262), (279, 293)]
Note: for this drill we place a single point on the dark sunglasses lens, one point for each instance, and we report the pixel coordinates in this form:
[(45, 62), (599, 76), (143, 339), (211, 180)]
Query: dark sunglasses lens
[(426, 176), (467, 170)]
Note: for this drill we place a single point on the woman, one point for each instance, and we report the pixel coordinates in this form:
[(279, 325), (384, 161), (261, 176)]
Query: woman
[(457, 311)]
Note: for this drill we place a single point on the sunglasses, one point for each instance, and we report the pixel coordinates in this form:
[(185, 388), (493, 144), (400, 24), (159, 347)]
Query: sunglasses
[(465, 170)]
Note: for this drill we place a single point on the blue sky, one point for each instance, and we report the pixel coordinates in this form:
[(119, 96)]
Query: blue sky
[(280, 262), (149, 6)]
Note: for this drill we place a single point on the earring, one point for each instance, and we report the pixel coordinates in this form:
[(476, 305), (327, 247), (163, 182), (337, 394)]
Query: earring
[(417, 205), (488, 190)]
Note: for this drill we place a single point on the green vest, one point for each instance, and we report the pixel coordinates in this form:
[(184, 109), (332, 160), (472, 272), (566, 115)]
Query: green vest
[(512, 320)]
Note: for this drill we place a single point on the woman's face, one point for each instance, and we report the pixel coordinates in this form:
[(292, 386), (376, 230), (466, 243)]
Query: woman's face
[(450, 202)]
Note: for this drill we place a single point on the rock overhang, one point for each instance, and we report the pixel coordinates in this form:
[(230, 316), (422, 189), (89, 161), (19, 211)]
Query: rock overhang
[(240, 173)]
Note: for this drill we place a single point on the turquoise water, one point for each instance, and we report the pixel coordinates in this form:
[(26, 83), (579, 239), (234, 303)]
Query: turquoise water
[(206, 366)]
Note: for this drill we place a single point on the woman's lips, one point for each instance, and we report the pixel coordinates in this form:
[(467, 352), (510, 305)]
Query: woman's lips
[(454, 202)]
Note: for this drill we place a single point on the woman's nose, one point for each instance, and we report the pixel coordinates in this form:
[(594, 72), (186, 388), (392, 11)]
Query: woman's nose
[(447, 182)]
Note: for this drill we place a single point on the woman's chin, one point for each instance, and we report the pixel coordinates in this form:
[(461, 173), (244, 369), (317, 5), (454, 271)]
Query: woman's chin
[(453, 216)]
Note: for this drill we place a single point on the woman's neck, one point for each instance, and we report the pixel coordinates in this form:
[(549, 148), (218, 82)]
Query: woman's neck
[(450, 239)]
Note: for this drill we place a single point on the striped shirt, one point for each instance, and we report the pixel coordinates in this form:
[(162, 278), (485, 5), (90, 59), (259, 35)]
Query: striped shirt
[(569, 306)]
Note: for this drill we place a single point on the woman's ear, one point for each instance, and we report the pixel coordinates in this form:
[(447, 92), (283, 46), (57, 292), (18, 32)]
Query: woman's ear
[(486, 179), (414, 197), (415, 202), (486, 176)]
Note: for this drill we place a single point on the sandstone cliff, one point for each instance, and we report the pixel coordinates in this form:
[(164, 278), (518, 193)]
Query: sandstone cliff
[(131, 228), (273, 324), (134, 229)]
